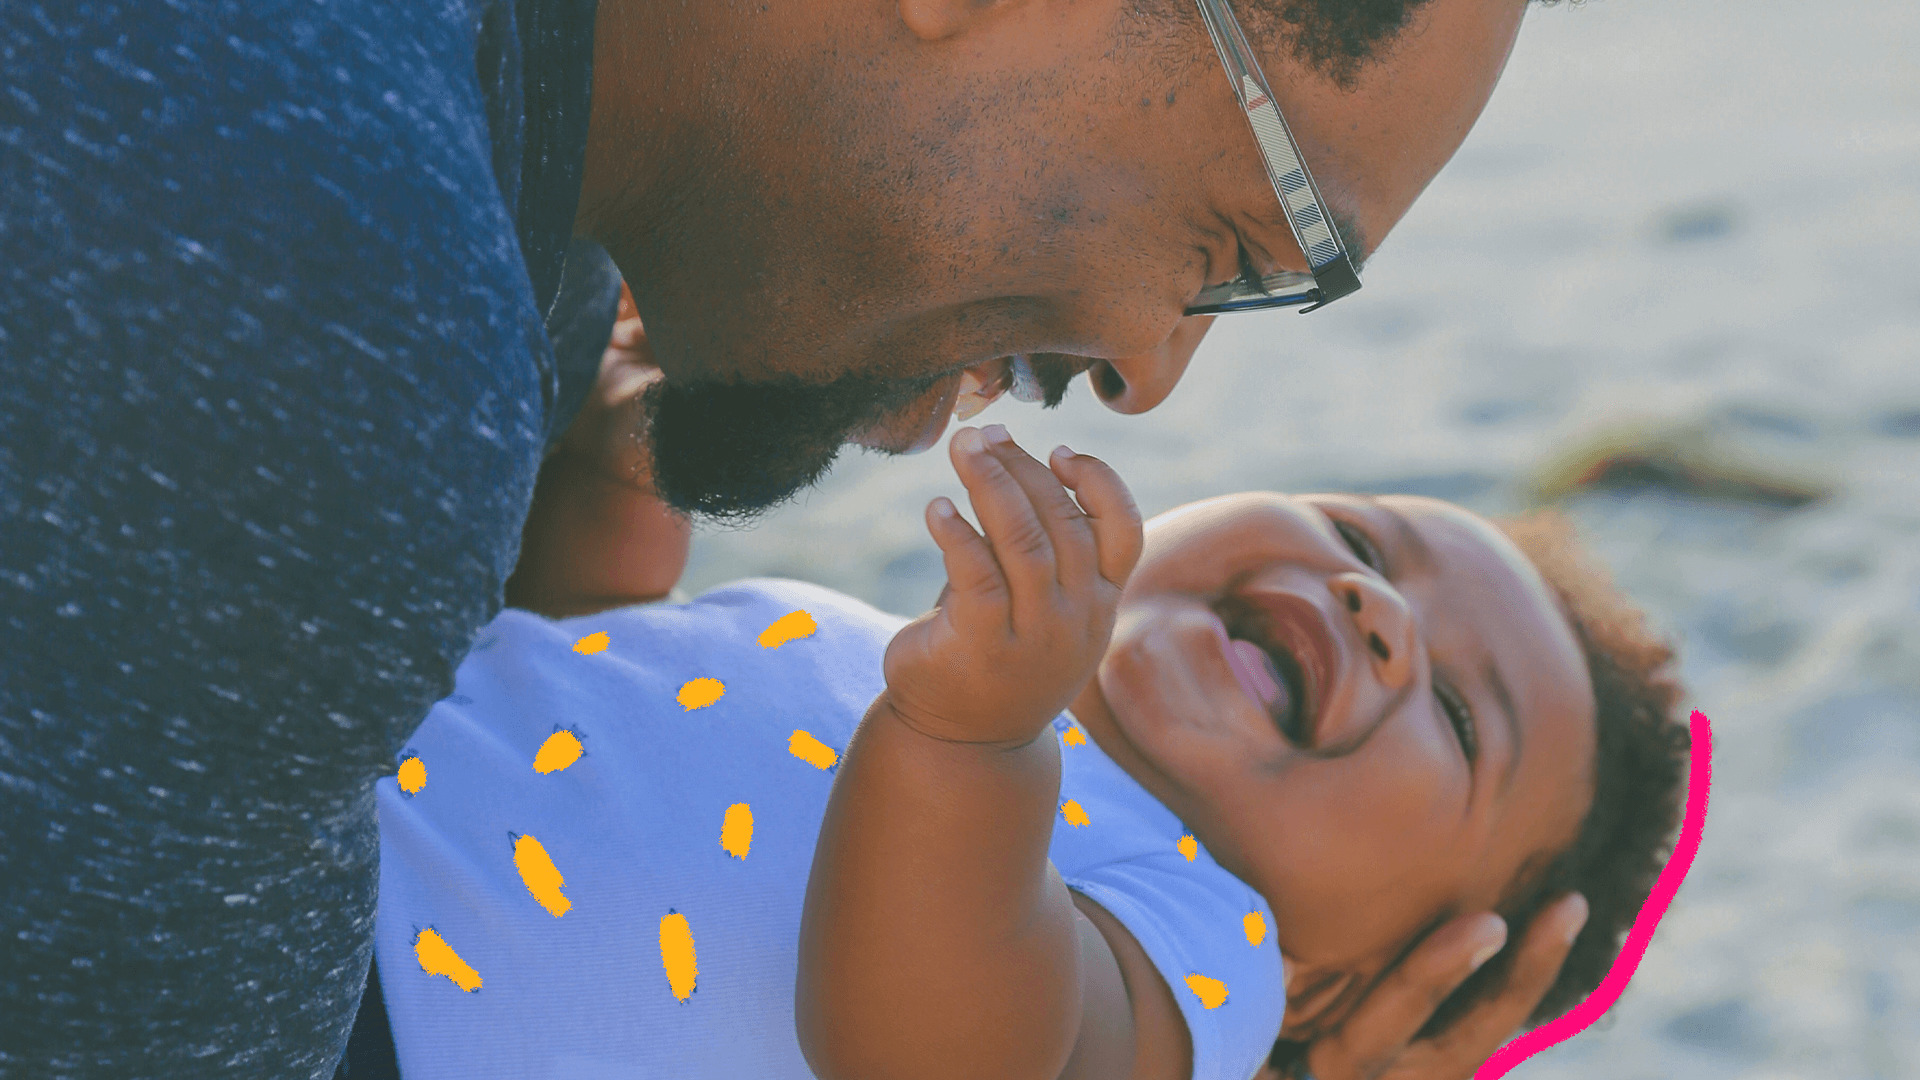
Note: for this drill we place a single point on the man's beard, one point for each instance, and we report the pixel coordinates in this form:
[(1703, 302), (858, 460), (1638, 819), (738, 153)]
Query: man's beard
[(731, 452)]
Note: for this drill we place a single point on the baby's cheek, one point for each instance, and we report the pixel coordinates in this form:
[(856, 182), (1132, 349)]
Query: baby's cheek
[(1422, 794)]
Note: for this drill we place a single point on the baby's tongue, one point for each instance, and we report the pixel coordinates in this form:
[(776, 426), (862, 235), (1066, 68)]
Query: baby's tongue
[(1254, 669)]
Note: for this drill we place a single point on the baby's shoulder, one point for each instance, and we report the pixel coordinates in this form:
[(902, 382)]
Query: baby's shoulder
[(785, 598)]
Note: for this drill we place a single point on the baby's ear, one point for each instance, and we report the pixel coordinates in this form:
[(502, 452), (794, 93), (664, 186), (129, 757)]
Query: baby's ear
[(1318, 1001)]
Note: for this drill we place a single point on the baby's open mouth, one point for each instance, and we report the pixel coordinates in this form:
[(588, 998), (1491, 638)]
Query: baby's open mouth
[(1269, 673)]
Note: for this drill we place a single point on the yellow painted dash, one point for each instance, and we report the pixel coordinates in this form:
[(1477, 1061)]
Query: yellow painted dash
[(542, 877), (811, 750), (700, 693), (1074, 736), (1189, 847), (1075, 813), (789, 627), (412, 776), (561, 749), (592, 643), (736, 831), (438, 958), (676, 954), (1255, 925), (1212, 992)]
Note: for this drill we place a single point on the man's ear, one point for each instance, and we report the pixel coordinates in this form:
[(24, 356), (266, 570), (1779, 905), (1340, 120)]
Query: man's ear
[(935, 20)]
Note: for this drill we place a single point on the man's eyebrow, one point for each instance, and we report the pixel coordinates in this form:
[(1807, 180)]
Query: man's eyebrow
[(1505, 697)]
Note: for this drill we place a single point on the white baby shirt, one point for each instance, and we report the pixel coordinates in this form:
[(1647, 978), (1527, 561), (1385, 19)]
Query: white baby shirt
[(594, 854)]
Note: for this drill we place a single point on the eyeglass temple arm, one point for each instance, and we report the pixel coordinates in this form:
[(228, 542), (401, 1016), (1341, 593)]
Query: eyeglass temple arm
[(1334, 274)]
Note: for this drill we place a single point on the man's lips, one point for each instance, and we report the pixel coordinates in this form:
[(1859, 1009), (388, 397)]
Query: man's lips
[(920, 425), (917, 426), (982, 384)]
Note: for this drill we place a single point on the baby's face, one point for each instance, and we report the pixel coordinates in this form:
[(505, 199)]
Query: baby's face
[(1370, 710)]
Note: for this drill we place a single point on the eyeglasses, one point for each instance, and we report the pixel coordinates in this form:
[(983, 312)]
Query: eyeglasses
[(1334, 274)]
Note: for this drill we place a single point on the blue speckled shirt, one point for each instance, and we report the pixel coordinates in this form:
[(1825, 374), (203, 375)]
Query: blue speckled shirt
[(289, 310)]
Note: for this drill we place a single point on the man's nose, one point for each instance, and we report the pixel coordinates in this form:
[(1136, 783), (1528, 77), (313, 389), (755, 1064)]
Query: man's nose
[(1385, 624), (1137, 383)]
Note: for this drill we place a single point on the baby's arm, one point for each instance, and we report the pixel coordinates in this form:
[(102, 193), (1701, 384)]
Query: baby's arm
[(597, 536), (937, 940)]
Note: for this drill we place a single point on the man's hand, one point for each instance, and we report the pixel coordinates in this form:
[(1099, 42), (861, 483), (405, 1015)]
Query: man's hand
[(597, 536), (1377, 1042), (1029, 606)]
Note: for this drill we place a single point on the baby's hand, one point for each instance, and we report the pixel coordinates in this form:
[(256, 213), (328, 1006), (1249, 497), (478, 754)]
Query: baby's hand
[(1029, 607)]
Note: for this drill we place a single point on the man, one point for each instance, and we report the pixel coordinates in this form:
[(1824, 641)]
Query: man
[(297, 295)]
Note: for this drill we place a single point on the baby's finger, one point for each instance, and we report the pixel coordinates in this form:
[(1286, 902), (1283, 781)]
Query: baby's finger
[(975, 587), (1074, 552), (1110, 511), (1020, 542)]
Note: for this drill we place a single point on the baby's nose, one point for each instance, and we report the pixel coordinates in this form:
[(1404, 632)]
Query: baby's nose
[(1386, 626)]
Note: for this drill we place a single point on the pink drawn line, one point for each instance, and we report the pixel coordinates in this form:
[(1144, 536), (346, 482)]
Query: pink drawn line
[(1699, 779)]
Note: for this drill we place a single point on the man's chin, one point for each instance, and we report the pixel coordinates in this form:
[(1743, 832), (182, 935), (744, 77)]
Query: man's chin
[(737, 497), (731, 452)]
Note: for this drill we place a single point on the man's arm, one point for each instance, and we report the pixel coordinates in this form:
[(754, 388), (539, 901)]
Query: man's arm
[(270, 415)]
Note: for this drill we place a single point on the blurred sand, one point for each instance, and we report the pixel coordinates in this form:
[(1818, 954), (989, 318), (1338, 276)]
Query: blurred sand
[(1707, 212)]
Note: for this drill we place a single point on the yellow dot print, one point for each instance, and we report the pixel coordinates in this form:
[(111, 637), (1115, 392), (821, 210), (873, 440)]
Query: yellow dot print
[(412, 775), (561, 749), (1189, 847), (1255, 925), (1074, 736), (789, 627), (736, 831), (438, 958), (700, 693), (542, 877), (592, 643), (1212, 992), (811, 750), (1075, 813), (676, 954)]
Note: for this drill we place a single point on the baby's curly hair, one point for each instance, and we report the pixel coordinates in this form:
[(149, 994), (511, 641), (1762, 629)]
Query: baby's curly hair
[(1640, 777), (1639, 787)]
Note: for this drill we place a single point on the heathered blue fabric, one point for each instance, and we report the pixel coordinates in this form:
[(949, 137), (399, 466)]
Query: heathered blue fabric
[(276, 285)]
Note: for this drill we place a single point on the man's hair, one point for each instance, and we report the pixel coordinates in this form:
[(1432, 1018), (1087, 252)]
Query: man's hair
[(1639, 777)]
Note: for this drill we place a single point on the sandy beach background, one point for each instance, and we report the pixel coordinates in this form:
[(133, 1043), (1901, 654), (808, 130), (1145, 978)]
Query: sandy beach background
[(1682, 211)]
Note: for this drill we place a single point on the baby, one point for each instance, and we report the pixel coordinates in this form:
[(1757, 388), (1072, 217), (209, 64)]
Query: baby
[(1056, 827)]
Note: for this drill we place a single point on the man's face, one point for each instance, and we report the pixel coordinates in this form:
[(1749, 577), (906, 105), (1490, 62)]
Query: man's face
[(867, 199)]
